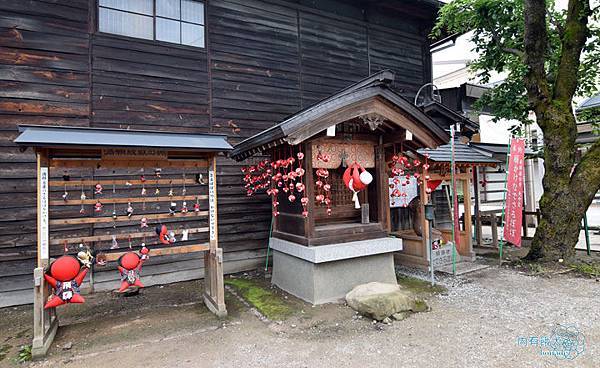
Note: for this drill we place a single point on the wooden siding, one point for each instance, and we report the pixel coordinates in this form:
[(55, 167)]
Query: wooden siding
[(264, 60)]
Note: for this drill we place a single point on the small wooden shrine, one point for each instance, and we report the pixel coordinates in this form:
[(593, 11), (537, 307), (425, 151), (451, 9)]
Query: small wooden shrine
[(411, 226), (326, 169), (131, 180)]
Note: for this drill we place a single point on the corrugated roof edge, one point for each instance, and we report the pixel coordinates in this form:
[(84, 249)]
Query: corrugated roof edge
[(22, 128)]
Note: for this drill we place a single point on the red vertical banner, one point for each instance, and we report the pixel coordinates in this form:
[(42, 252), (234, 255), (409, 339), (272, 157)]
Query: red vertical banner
[(514, 192)]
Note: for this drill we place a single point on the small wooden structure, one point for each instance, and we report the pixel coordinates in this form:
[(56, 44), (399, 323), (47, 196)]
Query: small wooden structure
[(465, 157), (333, 252), (63, 152)]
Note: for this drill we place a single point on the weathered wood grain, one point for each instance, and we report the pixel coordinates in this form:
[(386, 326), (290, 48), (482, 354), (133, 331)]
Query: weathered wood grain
[(264, 60)]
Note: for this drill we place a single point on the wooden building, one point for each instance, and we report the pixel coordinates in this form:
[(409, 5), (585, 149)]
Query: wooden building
[(224, 66)]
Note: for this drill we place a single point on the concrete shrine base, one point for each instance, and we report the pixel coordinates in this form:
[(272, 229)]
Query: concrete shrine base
[(323, 274)]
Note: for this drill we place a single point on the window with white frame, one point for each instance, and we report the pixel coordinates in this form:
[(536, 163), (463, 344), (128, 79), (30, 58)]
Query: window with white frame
[(174, 21)]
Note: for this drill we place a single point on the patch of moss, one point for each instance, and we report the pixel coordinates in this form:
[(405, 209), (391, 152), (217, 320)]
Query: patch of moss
[(419, 286), (536, 268), (586, 269), (420, 306), (263, 299)]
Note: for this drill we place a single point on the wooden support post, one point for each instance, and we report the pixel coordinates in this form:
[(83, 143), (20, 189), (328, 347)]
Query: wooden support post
[(214, 293), (478, 229), (309, 222), (494, 230), (45, 321), (468, 246), (424, 223), (383, 194)]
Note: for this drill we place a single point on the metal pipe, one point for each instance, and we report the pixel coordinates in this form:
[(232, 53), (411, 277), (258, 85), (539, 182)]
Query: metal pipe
[(431, 252), (587, 234)]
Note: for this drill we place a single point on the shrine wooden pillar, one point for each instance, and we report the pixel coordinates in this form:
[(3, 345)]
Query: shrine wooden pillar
[(468, 248), (214, 294), (45, 321)]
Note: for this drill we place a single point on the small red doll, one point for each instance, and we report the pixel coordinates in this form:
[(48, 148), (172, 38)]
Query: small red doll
[(130, 265), (65, 275)]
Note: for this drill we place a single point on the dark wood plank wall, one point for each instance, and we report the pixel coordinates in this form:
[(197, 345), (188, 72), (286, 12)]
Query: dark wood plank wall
[(44, 79), (264, 60)]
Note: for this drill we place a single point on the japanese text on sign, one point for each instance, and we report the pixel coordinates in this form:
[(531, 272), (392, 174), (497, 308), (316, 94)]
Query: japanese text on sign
[(43, 215), (514, 192), (134, 153), (212, 208)]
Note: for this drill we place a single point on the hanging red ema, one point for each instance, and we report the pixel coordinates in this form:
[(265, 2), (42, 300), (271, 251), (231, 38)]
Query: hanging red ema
[(130, 265), (356, 179), (65, 275)]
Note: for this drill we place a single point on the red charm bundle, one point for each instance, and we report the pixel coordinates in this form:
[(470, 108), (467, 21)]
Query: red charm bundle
[(280, 176), (322, 186), (65, 275), (257, 177), (356, 178), (403, 170)]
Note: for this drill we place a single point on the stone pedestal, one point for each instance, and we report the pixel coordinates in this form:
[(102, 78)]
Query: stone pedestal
[(323, 274)]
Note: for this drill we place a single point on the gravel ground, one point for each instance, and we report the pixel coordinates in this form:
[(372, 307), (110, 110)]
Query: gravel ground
[(476, 323)]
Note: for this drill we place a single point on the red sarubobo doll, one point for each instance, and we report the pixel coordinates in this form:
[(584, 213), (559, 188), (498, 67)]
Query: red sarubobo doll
[(65, 275), (130, 265)]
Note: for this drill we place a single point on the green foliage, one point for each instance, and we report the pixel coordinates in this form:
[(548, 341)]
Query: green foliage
[(264, 300), (24, 354), (4, 349), (498, 36), (587, 269)]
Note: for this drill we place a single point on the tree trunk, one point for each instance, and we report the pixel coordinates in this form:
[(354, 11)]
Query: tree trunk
[(567, 194), (568, 190)]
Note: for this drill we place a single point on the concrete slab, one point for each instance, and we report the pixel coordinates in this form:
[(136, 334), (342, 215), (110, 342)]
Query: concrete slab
[(336, 252), (325, 275)]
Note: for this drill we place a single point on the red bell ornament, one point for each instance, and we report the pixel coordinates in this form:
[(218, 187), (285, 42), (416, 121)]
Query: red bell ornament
[(356, 179), (65, 275)]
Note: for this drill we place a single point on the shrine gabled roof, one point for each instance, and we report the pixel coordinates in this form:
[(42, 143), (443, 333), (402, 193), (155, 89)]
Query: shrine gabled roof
[(316, 118), (450, 115), (463, 154), (589, 103), (62, 136), (496, 148)]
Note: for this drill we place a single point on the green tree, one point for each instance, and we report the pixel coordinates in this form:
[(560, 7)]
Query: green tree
[(548, 56)]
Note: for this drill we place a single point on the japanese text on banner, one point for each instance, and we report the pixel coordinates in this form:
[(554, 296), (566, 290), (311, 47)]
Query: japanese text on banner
[(514, 192)]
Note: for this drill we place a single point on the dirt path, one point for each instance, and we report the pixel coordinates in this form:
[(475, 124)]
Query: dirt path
[(477, 323)]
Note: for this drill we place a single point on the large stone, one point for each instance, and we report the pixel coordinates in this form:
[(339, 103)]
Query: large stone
[(380, 300)]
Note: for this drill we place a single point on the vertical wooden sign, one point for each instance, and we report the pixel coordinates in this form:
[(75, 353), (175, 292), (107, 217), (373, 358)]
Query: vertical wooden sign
[(212, 201), (43, 246)]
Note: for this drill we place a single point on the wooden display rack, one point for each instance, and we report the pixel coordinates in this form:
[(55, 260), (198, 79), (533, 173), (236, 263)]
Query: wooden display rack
[(53, 152)]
